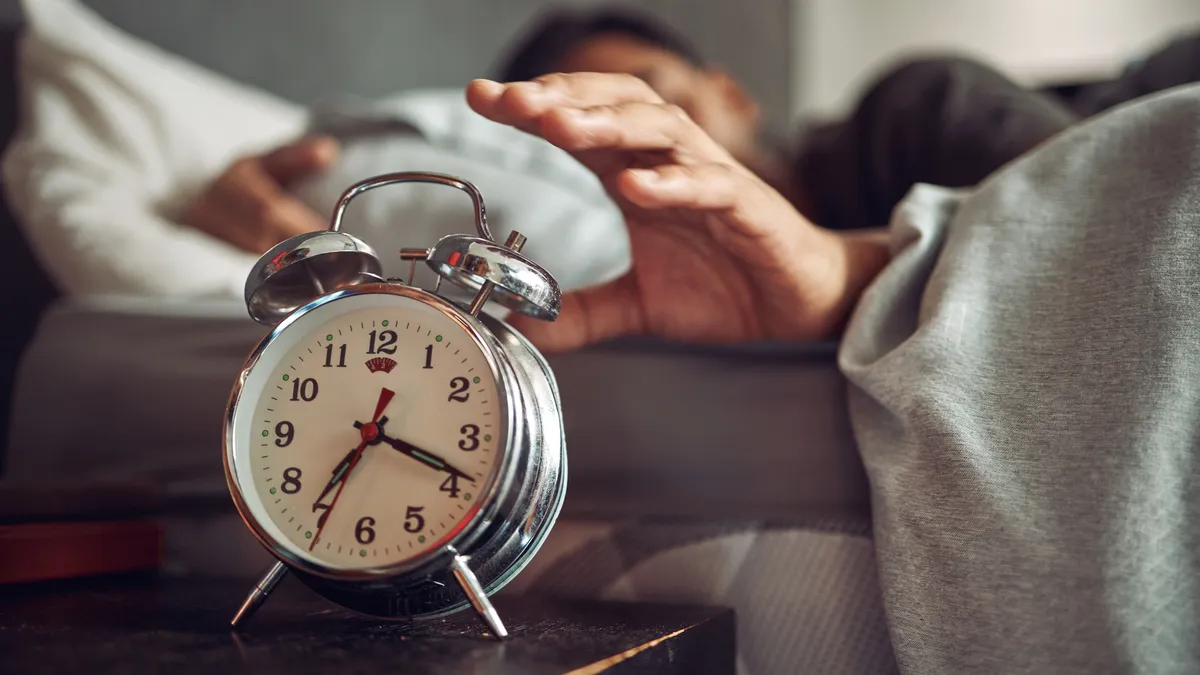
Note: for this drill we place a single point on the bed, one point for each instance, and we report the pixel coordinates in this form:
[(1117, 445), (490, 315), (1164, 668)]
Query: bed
[(732, 478)]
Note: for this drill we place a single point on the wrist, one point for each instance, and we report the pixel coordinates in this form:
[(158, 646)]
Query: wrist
[(862, 255), (831, 271)]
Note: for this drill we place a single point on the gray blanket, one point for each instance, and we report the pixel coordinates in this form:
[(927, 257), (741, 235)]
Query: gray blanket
[(1025, 391)]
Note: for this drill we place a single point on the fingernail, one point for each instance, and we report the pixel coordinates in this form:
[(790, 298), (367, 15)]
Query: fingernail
[(488, 84), (325, 149), (645, 175)]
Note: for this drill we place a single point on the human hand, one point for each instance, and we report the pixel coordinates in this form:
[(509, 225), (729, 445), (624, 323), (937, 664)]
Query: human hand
[(247, 205), (718, 255)]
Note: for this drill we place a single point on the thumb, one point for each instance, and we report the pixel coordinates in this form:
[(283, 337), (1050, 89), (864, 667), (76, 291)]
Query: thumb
[(298, 159), (587, 316)]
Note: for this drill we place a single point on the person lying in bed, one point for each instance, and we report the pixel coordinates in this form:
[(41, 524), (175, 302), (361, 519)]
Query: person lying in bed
[(1023, 361), (943, 121)]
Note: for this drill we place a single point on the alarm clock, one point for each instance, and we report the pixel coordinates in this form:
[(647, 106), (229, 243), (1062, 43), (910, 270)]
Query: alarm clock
[(397, 450)]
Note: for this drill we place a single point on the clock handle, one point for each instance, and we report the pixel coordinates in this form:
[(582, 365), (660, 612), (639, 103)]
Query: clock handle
[(259, 595), (479, 264), (479, 600), (481, 224)]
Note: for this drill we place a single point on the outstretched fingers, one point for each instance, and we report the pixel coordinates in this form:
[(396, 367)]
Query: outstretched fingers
[(592, 111), (498, 101), (744, 202)]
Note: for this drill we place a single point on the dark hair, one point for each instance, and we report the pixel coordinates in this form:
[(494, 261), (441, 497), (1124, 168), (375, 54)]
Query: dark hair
[(545, 44)]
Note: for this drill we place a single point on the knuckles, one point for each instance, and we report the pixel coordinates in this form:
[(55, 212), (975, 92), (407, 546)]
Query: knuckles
[(677, 112), (266, 212), (240, 167), (552, 81), (513, 100)]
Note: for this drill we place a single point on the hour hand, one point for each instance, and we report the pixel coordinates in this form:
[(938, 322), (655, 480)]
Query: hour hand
[(339, 472)]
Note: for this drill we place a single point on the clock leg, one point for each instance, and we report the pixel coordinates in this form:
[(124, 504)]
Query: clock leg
[(259, 595), (479, 599)]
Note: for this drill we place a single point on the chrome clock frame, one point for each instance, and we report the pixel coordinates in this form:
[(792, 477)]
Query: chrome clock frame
[(526, 488)]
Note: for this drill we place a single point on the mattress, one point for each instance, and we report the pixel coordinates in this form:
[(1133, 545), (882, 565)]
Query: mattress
[(134, 388), (718, 475)]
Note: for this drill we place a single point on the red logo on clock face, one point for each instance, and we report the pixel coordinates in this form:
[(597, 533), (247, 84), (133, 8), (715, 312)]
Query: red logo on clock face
[(380, 363)]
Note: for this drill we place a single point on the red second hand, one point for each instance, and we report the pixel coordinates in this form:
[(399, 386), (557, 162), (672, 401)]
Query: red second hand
[(369, 432)]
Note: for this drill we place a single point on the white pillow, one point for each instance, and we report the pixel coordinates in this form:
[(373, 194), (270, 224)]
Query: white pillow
[(115, 136), (574, 229)]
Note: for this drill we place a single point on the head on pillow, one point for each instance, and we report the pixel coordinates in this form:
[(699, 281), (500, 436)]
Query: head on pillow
[(621, 41)]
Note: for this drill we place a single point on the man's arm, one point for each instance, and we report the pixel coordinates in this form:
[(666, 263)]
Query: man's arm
[(718, 255), (248, 206)]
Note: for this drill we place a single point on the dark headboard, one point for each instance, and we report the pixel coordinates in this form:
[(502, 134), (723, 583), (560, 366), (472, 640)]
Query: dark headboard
[(28, 290)]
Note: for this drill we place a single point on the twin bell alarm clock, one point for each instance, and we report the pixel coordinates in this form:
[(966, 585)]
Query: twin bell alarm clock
[(401, 453)]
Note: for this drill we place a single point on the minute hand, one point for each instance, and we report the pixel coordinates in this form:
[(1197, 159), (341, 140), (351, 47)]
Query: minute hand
[(425, 457)]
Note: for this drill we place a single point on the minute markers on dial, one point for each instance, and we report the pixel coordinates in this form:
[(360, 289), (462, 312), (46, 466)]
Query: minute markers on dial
[(315, 421)]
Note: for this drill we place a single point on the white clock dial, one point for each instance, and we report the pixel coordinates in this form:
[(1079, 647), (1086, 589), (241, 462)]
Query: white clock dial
[(339, 486)]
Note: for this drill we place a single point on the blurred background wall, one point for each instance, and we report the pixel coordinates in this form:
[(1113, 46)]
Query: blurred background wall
[(419, 43), (839, 43), (795, 56)]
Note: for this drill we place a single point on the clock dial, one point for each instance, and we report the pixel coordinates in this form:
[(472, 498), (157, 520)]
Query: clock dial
[(374, 434)]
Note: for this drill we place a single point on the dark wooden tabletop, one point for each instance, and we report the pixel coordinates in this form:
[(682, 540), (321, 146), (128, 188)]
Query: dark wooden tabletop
[(140, 625)]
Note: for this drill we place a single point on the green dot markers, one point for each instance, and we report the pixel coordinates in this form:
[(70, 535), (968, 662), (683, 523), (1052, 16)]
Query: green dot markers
[(421, 539), (362, 553), (272, 490), (487, 437), (329, 338), (467, 496), (385, 323), (307, 534), (286, 378), (476, 379), (438, 338), (265, 432)]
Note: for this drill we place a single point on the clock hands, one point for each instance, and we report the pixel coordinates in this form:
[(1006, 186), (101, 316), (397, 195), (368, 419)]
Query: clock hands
[(425, 457), (371, 433), (368, 431), (338, 472)]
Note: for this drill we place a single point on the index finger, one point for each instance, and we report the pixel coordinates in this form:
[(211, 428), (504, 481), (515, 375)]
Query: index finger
[(519, 104)]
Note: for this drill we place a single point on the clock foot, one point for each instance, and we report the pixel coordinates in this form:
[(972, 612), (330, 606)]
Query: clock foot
[(259, 595), (479, 599)]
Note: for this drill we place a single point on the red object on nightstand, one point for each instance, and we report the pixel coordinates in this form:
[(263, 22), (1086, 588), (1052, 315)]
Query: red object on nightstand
[(50, 531)]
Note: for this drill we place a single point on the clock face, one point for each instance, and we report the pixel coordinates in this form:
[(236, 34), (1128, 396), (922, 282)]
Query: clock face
[(367, 432)]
